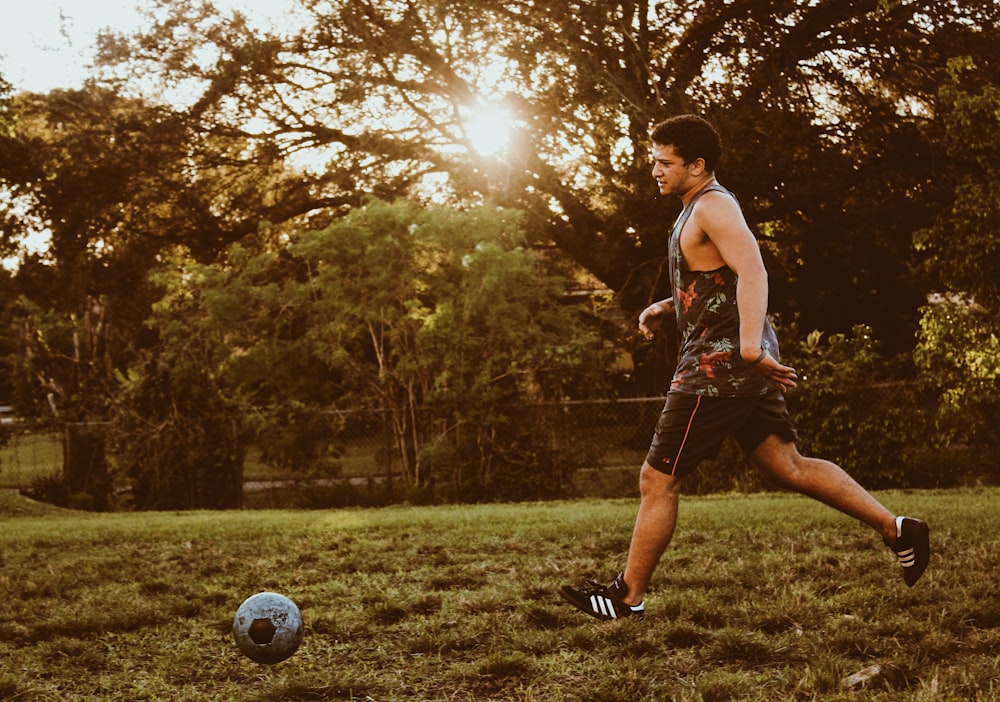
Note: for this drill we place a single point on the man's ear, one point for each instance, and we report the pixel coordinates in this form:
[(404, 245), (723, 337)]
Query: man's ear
[(697, 166)]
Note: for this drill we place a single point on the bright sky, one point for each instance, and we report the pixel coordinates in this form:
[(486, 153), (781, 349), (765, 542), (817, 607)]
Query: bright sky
[(46, 44), (49, 44)]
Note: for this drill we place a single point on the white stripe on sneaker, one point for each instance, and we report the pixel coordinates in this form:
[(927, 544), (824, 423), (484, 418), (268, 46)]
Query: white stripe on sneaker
[(604, 605)]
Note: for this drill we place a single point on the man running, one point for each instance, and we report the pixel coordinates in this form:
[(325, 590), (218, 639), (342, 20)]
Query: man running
[(729, 379)]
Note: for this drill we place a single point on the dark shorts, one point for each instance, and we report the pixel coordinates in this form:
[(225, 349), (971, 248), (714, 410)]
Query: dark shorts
[(692, 428)]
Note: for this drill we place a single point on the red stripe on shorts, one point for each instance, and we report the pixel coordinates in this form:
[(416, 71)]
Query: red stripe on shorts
[(687, 432)]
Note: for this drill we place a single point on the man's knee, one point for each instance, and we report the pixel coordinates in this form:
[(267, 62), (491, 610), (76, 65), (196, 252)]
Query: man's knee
[(793, 471), (779, 461), (655, 484)]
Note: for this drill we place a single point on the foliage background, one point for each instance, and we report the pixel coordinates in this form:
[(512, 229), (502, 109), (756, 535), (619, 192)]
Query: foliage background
[(186, 179)]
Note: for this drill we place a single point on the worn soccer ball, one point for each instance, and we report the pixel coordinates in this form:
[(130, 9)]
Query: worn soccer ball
[(268, 627)]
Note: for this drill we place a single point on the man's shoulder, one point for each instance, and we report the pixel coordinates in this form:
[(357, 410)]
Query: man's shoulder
[(718, 206), (716, 195)]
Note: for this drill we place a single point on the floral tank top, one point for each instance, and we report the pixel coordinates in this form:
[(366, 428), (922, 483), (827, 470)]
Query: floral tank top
[(708, 325)]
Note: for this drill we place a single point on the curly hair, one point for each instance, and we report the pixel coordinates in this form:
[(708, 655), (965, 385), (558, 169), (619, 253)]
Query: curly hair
[(692, 137)]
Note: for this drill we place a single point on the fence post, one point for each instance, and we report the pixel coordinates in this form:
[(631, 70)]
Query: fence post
[(85, 465), (387, 451)]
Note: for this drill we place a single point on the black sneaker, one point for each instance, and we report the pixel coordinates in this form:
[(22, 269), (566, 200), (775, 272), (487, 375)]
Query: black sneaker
[(603, 601), (912, 547)]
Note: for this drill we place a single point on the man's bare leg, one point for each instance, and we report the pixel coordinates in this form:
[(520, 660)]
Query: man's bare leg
[(654, 528), (780, 461)]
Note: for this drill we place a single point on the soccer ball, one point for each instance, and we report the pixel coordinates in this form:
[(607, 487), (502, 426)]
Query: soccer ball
[(268, 627)]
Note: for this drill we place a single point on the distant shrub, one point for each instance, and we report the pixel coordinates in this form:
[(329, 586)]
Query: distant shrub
[(49, 488), (851, 408)]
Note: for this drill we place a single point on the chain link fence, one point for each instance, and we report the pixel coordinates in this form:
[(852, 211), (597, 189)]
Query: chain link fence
[(614, 436), (617, 432), (27, 454)]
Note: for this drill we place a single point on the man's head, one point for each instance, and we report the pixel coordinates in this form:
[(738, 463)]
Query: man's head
[(691, 138)]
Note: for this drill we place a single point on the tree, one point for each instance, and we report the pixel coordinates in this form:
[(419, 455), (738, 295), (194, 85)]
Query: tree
[(180, 441), (829, 111), (440, 319), (452, 329), (959, 351), (850, 399), (116, 183), (17, 170), (827, 108)]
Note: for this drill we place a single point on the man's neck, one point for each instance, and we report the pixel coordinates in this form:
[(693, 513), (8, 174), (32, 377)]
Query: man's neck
[(696, 187)]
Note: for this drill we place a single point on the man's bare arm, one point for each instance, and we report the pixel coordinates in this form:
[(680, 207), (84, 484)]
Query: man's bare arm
[(652, 317)]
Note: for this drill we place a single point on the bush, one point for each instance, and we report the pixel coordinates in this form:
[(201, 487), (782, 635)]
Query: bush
[(850, 409), (177, 440), (51, 489), (729, 471)]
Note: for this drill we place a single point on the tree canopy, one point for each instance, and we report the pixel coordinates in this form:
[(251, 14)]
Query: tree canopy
[(441, 320), (827, 109), (959, 350)]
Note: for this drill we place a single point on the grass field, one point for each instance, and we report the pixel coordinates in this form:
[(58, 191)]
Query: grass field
[(763, 597)]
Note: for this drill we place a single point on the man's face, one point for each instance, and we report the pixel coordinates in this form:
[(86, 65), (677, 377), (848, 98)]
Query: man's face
[(671, 173)]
